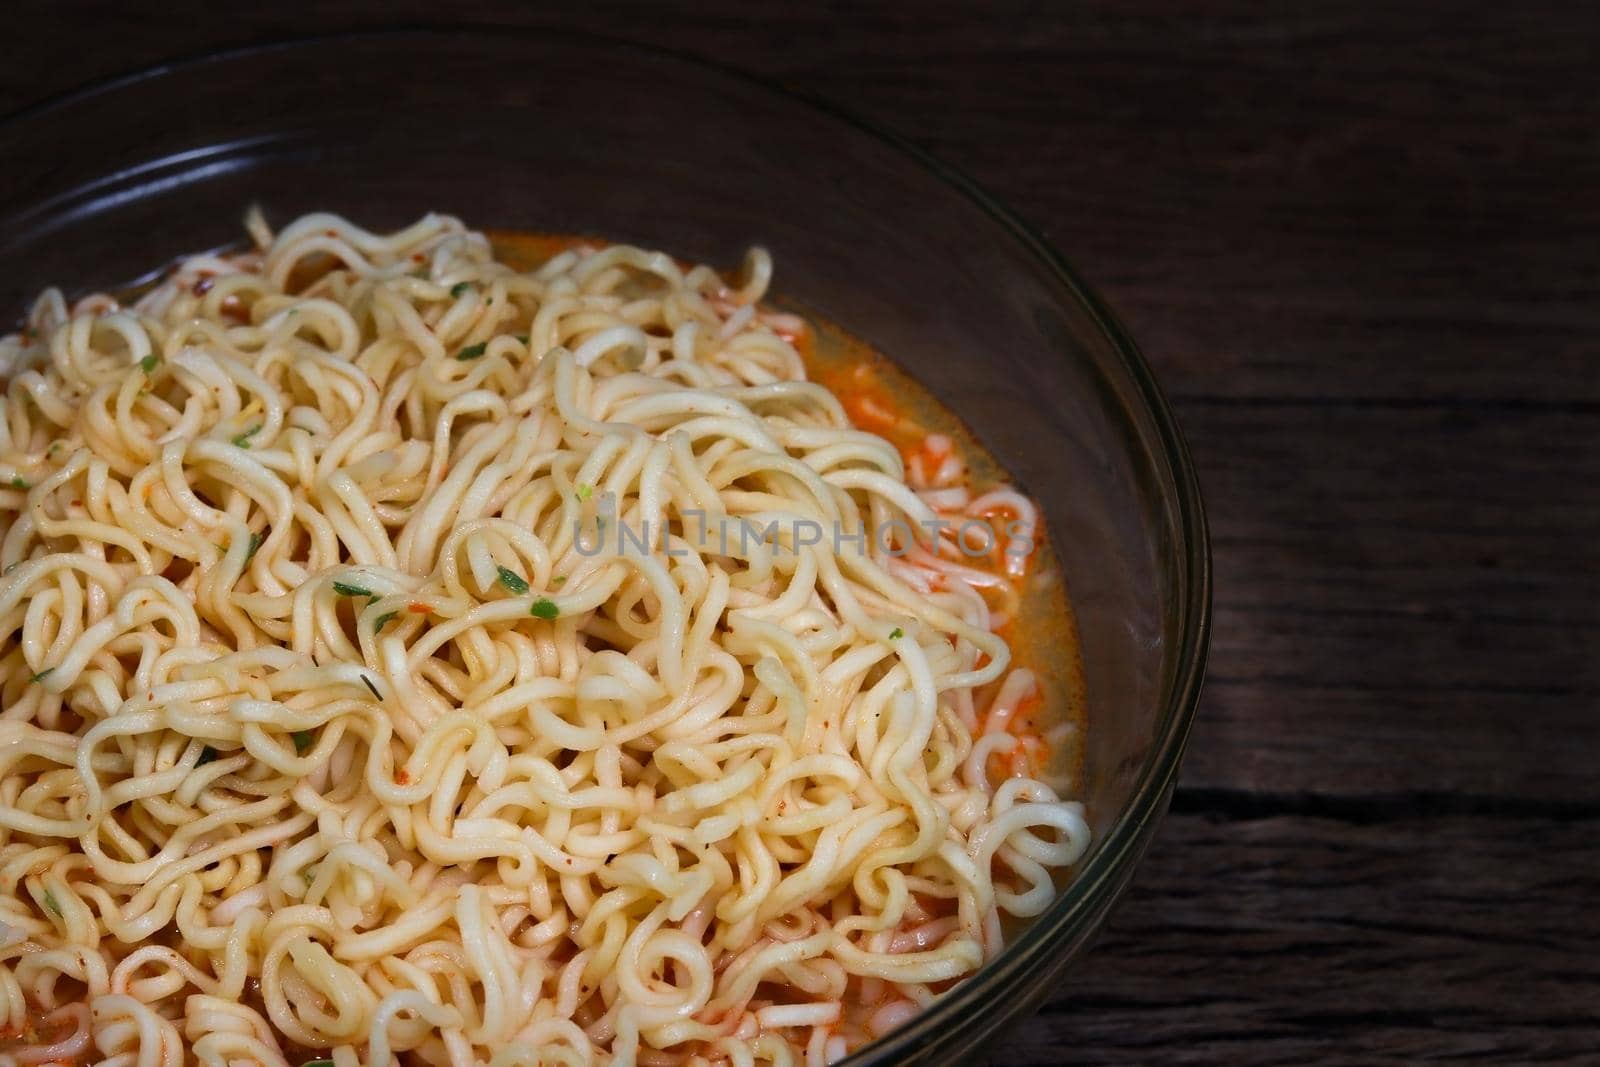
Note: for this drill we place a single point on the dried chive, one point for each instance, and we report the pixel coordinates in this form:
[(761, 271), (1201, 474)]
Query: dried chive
[(512, 581), (346, 589), (243, 440), (52, 903), (303, 740), (42, 675), (544, 608), (383, 620), (584, 492), (207, 754), (371, 688), (896, 633), (458, 288), (472, 351), (149, 363)]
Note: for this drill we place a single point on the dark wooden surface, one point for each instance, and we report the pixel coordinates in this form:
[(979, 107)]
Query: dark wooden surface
[(1361, 244)]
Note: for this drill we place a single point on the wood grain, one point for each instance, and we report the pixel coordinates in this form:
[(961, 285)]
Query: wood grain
[(1294, 939), (1359, 244)]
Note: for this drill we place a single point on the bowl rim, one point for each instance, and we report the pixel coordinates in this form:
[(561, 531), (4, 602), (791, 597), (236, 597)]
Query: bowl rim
[(1100, 880)]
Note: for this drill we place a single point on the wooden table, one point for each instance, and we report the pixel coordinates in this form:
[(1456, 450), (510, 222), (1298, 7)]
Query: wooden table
[(1363, 252)]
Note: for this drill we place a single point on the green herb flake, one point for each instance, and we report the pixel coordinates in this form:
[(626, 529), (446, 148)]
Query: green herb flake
[(522, 338), (584, 492), (256, 540), (346, 589), (310, 875), (149, 364), (317, 1063), (896, 634), (512, 581), (52, 903), (383, 620), (545, 608), (371, 688), (560, 579), (303, 740), (472, 351), (207, 754), (243, 440), (42, 675), (18, 482), (458, 288)]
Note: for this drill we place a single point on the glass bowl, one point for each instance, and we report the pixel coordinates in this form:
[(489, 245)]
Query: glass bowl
[(560, 133)]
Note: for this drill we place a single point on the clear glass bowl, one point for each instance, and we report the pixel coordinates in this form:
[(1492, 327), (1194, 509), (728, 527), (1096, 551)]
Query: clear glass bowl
[(558, 133)]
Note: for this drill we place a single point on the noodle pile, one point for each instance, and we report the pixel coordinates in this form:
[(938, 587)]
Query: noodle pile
[(379, 682)]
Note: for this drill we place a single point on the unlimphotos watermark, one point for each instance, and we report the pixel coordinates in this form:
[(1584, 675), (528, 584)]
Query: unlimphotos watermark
[(739, 536)]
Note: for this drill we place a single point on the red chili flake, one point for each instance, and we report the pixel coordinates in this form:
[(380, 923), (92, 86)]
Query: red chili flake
[(203, 286), (402, 777), (77, 503), (418, 257), (331, 233), (419, 609)]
